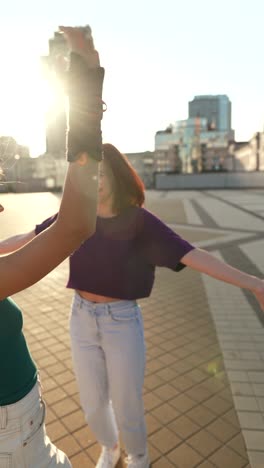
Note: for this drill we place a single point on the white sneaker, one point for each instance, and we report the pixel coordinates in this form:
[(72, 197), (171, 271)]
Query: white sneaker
[(138, 462), (109, 457)]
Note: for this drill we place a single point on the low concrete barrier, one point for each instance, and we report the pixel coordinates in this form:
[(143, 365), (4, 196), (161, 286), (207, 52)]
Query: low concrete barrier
[(220, 180)]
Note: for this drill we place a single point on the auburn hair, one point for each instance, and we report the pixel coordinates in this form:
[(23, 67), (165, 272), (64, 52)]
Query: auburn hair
[(127, 185)]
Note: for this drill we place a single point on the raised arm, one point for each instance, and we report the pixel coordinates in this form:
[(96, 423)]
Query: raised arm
[(77, 214), (204, 262)]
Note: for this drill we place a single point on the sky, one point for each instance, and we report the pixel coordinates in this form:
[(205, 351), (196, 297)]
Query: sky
[(157, 55)]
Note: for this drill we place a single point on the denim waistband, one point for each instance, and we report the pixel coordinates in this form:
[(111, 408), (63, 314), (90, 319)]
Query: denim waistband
[(103, 307), (21, 407)]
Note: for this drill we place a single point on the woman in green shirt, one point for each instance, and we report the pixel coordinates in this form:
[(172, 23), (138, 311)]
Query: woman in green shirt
[(23, 439)]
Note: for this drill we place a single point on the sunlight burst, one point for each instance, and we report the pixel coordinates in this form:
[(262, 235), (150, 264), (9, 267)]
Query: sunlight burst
[(28, 100)]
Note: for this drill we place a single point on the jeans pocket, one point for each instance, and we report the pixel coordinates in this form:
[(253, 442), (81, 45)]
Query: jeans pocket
[(124, 315), (35, 424), (5, 460), (36, 452)]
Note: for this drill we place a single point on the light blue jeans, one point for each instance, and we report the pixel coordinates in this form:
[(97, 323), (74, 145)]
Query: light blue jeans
[(23, 439), (108, 353)]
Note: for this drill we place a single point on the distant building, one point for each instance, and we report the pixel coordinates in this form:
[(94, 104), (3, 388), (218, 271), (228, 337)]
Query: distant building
[(41, 174), (11, 150), (249, 155), (56, 117), (14, 158), (143, 163), (196, 148), (21, 173), (216, 109)]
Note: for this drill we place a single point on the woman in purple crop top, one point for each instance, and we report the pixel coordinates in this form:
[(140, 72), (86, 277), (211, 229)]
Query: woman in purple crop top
[(23, 439), (109, 272)]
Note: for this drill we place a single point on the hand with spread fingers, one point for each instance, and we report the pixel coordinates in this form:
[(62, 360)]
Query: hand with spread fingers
[(81, 42)]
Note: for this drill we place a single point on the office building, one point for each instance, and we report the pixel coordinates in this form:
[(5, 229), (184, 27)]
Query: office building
[(216, 109)]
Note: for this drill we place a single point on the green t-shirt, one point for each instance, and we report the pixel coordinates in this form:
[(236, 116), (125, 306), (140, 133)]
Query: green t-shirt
[(18, 372)]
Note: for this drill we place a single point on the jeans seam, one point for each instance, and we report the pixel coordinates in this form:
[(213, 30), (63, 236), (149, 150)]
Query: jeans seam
[(8, 457), (3, 418)]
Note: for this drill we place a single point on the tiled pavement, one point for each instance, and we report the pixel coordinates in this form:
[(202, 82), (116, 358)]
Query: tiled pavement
[(204, 386)]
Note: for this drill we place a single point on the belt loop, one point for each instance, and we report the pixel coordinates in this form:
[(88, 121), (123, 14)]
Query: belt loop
[(3, 417)]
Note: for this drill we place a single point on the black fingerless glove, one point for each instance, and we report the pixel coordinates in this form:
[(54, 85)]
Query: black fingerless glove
[(85, 113)]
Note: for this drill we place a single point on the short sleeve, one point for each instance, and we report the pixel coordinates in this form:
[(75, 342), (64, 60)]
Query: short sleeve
[(161, 245), (45, 224)]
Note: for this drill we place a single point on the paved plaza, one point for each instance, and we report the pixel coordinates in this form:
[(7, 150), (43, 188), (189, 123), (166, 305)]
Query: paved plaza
[(204, 385)]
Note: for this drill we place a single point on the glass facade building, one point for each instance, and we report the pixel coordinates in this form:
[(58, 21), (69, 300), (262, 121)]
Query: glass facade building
[(216, 109)]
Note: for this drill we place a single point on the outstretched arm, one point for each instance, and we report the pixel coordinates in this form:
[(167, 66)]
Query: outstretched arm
[(204, 262), (15, 242), (75, 223)]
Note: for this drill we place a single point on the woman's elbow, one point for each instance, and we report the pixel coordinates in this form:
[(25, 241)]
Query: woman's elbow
[(189, 258)]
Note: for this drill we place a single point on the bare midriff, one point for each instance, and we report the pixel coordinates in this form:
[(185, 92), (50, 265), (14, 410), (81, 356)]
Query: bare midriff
[(95, 297)]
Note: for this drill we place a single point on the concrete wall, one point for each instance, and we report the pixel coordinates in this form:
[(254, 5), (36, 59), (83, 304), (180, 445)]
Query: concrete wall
[(219, 180)]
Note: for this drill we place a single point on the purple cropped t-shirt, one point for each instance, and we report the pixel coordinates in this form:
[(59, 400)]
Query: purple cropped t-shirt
[(119, 260)]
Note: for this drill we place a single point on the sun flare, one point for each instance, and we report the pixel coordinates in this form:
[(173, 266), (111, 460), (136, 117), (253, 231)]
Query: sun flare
[(27, 99)]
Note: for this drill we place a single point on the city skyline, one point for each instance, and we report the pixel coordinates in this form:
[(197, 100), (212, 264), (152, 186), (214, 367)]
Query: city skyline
[(157, 58)]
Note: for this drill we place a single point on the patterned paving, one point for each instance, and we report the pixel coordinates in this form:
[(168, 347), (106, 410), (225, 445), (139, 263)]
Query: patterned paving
[(204, 386)]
